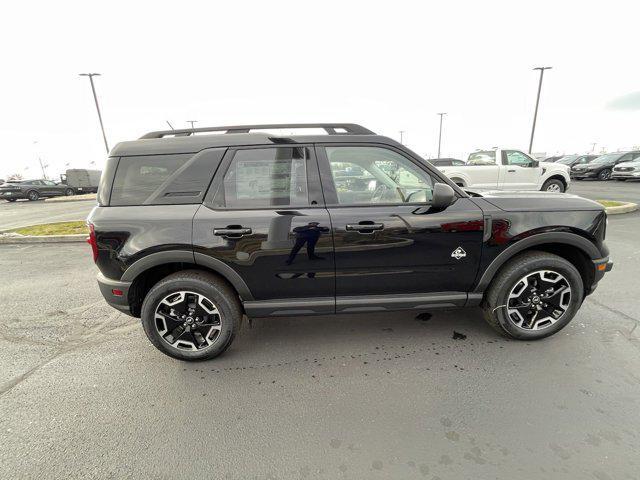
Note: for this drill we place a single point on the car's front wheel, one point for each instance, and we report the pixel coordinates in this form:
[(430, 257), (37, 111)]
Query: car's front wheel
[(69, 191), (605, 174), (33, 195), (533, 296), (191, 315), (553, 185)]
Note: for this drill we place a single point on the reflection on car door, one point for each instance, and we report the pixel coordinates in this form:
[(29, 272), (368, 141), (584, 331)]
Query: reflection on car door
[(520, 171), (265, 219), (390, 247)]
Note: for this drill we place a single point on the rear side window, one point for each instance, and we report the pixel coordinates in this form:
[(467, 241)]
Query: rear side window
[(137, 178), (264, 178)]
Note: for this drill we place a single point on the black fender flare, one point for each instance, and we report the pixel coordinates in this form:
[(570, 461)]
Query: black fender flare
[(188, 256), (563, 238)]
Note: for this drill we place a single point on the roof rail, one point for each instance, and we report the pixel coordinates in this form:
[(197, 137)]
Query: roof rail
[(330, 128)]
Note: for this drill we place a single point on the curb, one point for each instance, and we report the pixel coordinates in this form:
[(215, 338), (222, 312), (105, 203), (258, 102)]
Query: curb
[(74, 198), (626, 208), (21, 239)]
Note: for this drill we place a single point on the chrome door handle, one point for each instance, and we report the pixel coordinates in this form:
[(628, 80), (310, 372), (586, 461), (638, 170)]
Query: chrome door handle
[(232, 232), (511, 171)]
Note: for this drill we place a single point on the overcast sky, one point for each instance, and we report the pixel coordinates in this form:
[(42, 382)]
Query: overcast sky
[(389, 65)]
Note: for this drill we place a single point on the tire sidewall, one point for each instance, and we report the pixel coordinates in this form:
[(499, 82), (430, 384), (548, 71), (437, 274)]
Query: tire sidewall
[(201, 286), (553, 181), (603, 172), (558, 265)]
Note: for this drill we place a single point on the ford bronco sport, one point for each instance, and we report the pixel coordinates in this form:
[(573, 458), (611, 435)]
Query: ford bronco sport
[(196, 228)]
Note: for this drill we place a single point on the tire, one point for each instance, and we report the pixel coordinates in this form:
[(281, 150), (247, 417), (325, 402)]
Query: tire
[(216, 293), (11, 199), (553, 185), (508, 280), (620, 179), (69, 192), (33, 195), (604, 174)]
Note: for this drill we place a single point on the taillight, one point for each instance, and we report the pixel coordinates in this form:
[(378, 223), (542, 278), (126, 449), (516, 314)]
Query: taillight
[(91, 240)]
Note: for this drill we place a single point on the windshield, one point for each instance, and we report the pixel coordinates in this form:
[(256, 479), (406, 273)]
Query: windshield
[(568, 159), (609, 157)]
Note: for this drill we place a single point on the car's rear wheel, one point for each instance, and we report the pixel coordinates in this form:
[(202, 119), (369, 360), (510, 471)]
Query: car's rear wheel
[(605, 174), (33, 195), (533, 296), (69, 191), (553, 185), (191, 315)]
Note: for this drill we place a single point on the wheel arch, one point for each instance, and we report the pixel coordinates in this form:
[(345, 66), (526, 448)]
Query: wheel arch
[(557, 176), (149, 270), (572, 247)]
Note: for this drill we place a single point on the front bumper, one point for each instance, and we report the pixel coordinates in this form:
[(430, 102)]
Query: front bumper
[(115, 292), (583, 174), (628, 175), (601, 266)]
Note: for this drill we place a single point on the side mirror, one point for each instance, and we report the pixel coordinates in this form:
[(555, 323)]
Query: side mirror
[(443, 196)]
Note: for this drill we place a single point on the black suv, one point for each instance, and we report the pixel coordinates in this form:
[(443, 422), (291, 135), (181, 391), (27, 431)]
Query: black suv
[(602, 166), (195, 228)]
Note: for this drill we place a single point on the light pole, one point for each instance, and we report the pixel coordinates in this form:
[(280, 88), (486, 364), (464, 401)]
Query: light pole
[(192, 122), (440, 134), (535, 114), (95, 97), (402, 137)]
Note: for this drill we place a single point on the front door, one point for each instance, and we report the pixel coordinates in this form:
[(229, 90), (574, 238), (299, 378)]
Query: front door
[(265, 218), (520, 171), (391, 249)]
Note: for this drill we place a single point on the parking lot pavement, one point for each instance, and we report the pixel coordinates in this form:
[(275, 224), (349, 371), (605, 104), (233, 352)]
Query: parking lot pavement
[(84, 395), (24, 213), (611, 190)]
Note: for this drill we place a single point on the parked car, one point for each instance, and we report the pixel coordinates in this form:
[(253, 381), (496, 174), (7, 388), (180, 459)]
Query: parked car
[(447, 162), (193, 231), (571, 160), (553, 159), (32, 190), (601, 168), (81, 180), (627, 171), (509, 170)]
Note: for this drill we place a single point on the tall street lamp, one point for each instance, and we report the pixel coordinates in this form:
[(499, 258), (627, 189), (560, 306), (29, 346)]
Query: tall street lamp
[(440, 134), (402, 137), (535, 113), (95, 97)]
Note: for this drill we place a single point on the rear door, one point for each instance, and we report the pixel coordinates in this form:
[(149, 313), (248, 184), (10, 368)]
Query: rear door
[(521, 172), (391, 249), (264, 218)]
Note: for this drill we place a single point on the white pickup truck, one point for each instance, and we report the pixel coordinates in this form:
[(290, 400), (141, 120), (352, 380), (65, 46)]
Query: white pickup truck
[(509, 170)]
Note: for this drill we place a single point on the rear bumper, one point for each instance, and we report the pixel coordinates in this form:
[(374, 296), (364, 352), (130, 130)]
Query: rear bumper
[(7, 195), (115, 292)]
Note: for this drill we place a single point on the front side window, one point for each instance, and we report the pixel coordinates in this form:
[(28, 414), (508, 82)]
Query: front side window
[(266, 178), (370, 175), (514, 157)]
